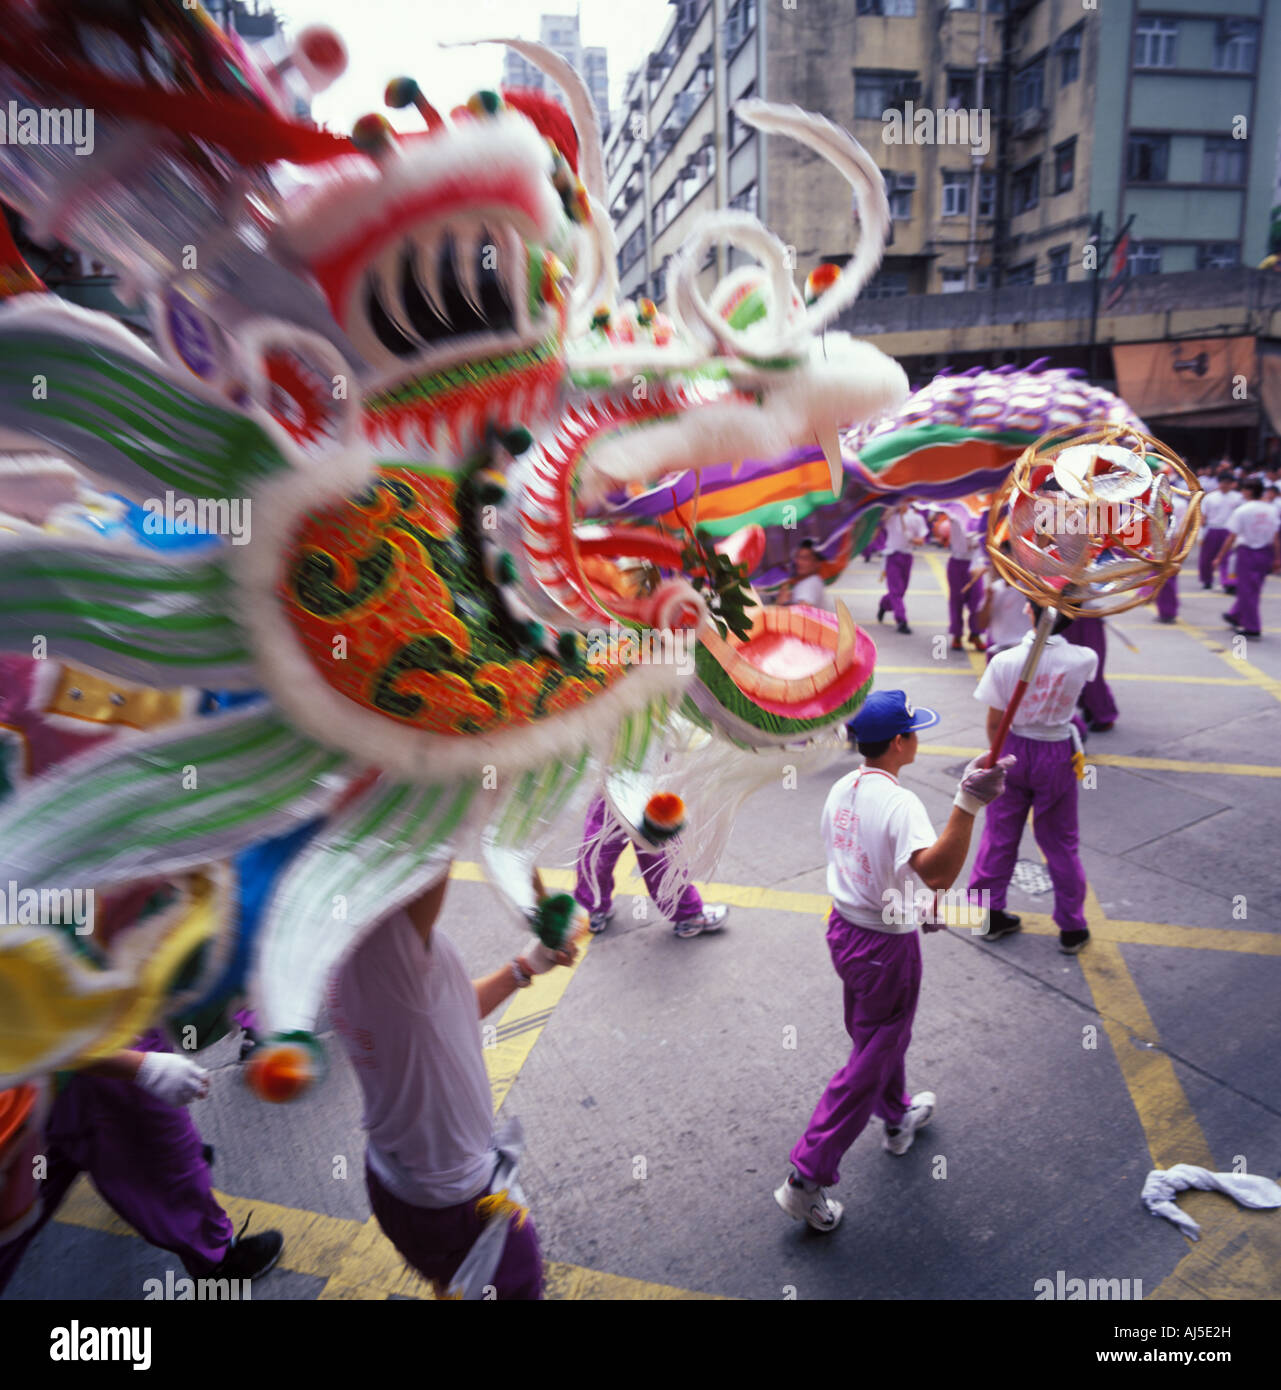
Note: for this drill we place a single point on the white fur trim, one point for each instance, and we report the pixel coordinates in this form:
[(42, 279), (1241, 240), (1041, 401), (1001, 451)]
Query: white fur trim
[(854, 382), (359, 196)]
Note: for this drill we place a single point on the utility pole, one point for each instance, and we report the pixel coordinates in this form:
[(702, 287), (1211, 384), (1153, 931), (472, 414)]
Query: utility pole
[(1100, 261), (976, 159), (720, 118)]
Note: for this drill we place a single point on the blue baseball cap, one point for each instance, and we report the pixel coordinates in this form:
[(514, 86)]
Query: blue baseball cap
[(886, 713)]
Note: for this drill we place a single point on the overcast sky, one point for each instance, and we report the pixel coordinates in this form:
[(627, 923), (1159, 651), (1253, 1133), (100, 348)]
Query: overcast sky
[(390, 38)]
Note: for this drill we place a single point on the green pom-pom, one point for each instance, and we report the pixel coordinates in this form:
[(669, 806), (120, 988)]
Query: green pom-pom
[(555, 917), (570, 647), (517, 439), (535, 634), (372, 132), (507, 568), (485, 103), (401, 92)]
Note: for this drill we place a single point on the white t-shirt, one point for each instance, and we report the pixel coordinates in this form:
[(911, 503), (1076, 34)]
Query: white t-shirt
[(1008, 617), (964, 543), (408, 1019), (1254, 524), (813, 591), (1216, 509), (871, 828), (1045, 712), (901, 530)]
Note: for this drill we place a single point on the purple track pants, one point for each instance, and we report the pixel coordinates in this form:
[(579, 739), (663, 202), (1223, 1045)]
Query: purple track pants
[(1253, 567), (146, 1160), (960, 598), (898, 570), (1167, 601), (595, 887), (1096, 698), (1042, 781), (436, 1241), (1211, 543), (881, 975)]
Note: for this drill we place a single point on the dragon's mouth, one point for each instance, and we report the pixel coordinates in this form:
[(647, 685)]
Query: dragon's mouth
[(455, 283)]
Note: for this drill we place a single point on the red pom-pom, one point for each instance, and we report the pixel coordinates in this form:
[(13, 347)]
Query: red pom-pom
[(549, 118)]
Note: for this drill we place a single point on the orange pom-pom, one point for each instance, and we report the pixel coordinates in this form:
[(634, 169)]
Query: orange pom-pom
[(281, 1072), (665, 811)]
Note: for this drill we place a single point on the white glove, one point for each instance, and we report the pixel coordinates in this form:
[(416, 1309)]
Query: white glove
[(979, 784), (540, 959), (172, 1079)]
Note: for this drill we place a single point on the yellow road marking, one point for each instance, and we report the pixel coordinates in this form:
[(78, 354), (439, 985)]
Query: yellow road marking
[(1134, 933), (951, 750), (517, 1030), (1246, 669), (354, 1257), (977, 666)]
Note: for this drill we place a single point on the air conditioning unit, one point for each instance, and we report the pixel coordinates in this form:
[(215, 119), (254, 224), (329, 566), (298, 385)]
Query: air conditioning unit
[(1030, 121)]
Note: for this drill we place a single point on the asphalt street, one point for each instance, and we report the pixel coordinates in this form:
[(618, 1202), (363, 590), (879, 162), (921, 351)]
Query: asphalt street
[(662, 1082)]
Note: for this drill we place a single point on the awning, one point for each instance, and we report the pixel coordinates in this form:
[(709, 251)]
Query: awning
[(1192, 381), (1270, 382)]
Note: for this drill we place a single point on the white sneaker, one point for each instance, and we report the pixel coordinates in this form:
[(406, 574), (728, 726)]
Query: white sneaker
[(803, 1202), (919, 1114)]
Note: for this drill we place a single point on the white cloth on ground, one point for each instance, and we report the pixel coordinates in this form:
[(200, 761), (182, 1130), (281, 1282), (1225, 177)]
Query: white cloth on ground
[(1161, 1184)]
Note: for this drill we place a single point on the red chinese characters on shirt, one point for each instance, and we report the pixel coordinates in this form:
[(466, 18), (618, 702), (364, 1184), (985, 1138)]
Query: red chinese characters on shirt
[(845, 826)]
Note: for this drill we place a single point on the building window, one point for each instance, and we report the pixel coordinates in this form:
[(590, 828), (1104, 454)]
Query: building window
[(1069, 51), (877, 92), (1029, 87), (1148, 159), (889, 284), (959, 5), (660, 282), (899, 189), (1224, 161), (1144, 258), (953, 281), (960, 91), (1235, 45), (738, 131), (987, 195), (891, 9), (1218, 255), (1058, 259), (1064, 165), (1156, 43), (633, 249), (1024, 274), (746, 200), (739, 23), (1026, 187), (956, 194)]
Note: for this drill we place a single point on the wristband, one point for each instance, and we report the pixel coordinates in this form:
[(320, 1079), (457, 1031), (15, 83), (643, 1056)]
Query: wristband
[(971, 805), (523, 981)]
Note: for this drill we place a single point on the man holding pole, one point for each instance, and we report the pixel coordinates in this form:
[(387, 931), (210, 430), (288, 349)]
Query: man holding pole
[(1044, 780)]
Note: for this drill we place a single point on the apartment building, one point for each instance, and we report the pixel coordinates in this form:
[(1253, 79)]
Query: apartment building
[(1151, 109), (560, 33), (675, 148)]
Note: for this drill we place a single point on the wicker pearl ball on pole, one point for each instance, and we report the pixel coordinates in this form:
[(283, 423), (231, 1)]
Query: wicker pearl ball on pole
[(1089, 517)]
